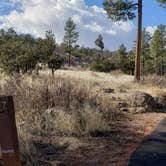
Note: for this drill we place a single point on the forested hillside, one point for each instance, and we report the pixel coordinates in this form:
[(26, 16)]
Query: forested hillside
[(22, 53)]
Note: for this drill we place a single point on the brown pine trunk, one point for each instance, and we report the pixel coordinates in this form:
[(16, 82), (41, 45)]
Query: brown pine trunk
[(139, 39), (69, 59), (162, 65), (52, 71)]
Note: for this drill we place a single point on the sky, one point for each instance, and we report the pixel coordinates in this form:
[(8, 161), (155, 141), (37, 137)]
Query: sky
[(37, 16)]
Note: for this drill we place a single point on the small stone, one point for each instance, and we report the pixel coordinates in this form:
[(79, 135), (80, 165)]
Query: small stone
[(109, 90)]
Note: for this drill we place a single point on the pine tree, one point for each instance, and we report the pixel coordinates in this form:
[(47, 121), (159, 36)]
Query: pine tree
[(123, 10), (121, 56), (158, 49), (162, 3), (130, 63), (53, 60), (99, 42), (17, 52), (145, 52), (70, 37)]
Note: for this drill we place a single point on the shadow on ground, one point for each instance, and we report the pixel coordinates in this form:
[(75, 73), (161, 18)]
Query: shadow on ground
[(152, 151)]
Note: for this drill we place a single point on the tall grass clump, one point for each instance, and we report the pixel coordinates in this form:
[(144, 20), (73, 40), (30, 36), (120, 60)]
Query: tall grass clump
[(59, 106)]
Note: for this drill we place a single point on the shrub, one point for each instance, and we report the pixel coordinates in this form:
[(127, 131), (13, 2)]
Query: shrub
[(102, 65), (55, 62)]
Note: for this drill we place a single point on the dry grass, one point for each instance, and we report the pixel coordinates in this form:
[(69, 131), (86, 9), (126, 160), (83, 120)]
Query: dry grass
[(70, 105), (62, 106), (72, 102), (54, 122), (155, 81), (115, 80)]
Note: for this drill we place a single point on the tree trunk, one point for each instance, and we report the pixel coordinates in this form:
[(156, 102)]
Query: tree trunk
[(69, 59), (52, 71), (139, 41), (156, 66), (143, 67), (162, 65)]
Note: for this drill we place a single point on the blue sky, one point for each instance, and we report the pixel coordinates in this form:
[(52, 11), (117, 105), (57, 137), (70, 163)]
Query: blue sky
[(153, 14), (5, 7), (38, 16)]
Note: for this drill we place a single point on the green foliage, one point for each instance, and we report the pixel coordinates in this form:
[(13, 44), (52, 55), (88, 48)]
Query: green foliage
[(70, 37), (145, 52), (99, 42), (162, 3), (20, 54), (17, 52), (123, 10), (102, 65), (129, 64), (55, 62), (158, 50), (121, 56), (50, 44), (120, 10), (50, 57)]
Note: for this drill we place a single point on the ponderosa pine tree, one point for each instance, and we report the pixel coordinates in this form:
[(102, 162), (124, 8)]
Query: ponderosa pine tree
[(129, 64), (162, 3), (158, 50), (17, 52), (122, 57), (145, 52), (123, 10), (70, 37), (53, 60)]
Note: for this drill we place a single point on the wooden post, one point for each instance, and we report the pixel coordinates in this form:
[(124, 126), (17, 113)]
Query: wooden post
[(8, 132)]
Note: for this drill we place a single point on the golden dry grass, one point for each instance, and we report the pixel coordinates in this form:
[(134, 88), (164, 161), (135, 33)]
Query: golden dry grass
[(115, 80), (73, 104)]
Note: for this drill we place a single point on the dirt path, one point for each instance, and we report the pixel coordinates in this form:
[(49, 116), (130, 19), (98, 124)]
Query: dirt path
[(152, 151)]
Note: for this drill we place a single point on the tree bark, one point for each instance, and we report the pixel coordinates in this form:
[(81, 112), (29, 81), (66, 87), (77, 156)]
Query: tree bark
[(139, 41), (69, 59), (52, 71)]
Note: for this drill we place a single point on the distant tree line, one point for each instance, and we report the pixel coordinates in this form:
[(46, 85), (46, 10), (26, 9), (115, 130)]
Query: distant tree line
[(22, 53), (153, 55)]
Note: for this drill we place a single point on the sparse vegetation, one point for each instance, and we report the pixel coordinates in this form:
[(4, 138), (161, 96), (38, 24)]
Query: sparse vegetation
[(63, 114), (87, 112)]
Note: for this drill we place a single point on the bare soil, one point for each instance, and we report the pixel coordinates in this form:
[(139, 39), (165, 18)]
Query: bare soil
[(108, 149)]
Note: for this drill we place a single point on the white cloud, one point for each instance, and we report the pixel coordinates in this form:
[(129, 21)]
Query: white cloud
[(151, 29), (37, 16)]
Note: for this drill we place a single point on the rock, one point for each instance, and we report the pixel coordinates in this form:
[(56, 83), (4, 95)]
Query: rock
[(141, 99), (108, 90), (136, 110), (161, 100), (122, 91), (134, 102)]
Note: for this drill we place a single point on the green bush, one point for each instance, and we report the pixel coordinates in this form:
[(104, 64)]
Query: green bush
[(55, 62), (102, 65)]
